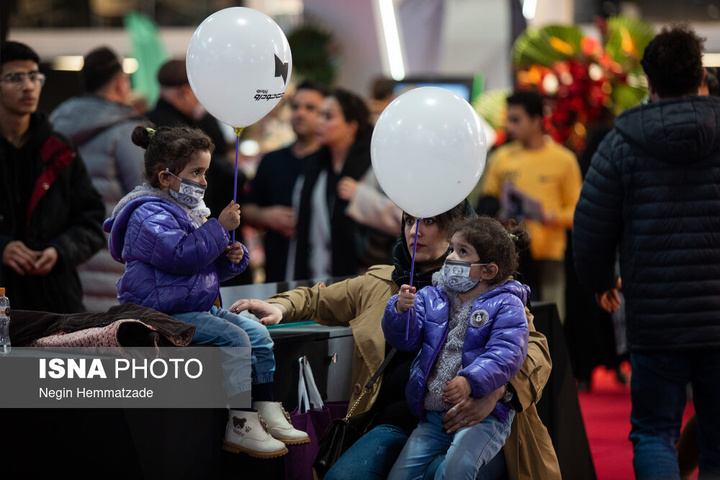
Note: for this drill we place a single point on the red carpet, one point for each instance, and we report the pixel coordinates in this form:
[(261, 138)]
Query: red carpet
[(606, 412)]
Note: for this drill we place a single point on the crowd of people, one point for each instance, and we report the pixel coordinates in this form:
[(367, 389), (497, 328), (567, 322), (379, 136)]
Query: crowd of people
[(100, 205)]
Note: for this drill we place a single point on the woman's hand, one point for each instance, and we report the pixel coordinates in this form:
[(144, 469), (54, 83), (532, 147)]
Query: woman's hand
[(268, 313), (471, 411), (346, 188), (406, 299), (234, 252), (456, 390), (230, 216)]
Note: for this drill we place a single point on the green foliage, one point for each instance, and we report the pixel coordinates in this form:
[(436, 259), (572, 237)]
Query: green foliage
[(491, 106), (315, 54), (546, 45), (627, 39)]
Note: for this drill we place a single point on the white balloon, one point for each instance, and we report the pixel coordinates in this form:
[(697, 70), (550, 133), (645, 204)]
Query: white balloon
[(428, 150), (239, 64)]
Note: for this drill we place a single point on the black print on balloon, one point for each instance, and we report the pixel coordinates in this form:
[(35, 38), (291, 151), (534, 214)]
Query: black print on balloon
[(281, 69)]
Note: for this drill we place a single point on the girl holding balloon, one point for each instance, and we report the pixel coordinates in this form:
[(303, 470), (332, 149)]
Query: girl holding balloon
[(359, 302), (175, 259), (472, 336)]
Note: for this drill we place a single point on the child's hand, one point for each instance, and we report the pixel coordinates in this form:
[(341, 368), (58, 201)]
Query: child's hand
[(456, 389), (406, 299), (230, 216), (234, 252)]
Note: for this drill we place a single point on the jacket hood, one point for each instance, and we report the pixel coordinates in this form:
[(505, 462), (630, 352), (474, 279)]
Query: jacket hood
[(677, 130), (87, 112), (116, 225)]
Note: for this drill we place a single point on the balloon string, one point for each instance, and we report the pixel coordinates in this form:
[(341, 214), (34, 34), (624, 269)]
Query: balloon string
[(411, 311), (238, 130)]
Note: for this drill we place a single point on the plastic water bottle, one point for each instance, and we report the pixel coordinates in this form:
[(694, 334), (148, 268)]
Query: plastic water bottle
[(4, 323)]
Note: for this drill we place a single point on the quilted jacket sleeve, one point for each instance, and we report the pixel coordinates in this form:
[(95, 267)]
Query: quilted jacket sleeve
[(598, 217), (395, 325), (227, 270), (504, 353), (160, 241)]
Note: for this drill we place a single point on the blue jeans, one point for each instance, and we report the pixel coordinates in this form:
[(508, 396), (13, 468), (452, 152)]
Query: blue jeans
[(374, 454), (465, 451), (224, 329), (658, 390)]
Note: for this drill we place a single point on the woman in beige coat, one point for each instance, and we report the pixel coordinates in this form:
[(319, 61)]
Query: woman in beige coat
[(359, 302)]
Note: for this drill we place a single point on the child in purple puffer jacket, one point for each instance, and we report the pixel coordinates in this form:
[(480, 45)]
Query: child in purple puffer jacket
[(175, 259), (472, 333)]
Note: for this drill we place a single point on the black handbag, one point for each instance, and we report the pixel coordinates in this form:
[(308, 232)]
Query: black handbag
[(342, 433)]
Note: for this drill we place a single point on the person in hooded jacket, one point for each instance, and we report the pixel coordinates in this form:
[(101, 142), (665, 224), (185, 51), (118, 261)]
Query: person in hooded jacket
[(359, 303), (472, 336), (652, 193), (175, 258), (100, 124)]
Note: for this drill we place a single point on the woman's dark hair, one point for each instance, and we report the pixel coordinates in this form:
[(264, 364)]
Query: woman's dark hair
[(169, 147), (495, 243), (673, 61), (353, 108), (446, 220)]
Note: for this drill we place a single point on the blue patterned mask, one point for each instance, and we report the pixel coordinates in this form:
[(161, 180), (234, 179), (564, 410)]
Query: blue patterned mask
[(456, 275), (191, 193)]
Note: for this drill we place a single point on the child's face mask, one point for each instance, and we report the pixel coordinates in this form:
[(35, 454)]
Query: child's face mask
[(190, 194), (456, 275)]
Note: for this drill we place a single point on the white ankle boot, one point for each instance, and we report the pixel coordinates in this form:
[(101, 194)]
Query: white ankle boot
[(246, 432), (278, 423)]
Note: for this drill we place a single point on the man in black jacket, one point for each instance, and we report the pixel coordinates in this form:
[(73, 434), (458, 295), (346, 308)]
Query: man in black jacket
[(50, 215), (652, 191)]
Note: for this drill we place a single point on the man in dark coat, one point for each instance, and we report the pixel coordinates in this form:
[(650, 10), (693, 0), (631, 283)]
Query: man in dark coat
[(50, 215), (652, 191)]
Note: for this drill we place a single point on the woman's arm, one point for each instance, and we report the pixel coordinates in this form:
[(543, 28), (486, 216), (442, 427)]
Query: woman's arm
[(334, 305)]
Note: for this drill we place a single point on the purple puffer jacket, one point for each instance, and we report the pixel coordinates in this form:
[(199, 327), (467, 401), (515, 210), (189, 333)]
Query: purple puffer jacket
[(495, 344), (171, 265)]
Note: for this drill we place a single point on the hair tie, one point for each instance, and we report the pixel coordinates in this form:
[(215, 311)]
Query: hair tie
[(151, 133), (513, 237)]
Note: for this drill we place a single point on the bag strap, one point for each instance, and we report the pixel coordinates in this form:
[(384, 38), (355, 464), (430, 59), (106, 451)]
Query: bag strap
[(303, 402), (313, 392), (380, 369), (371, 382), (308, 394), (82, 137)]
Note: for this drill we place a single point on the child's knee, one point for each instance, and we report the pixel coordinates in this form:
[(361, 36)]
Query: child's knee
[(236, 337)]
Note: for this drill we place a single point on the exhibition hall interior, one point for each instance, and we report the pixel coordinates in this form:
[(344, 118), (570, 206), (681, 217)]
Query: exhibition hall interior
[(307, 239)]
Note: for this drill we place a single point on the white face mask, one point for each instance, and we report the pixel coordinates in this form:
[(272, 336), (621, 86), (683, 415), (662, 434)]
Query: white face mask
[(456, 275), (191, 193)]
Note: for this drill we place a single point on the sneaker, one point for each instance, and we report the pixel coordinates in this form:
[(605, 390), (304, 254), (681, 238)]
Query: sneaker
[(246, 432), (278, 423)]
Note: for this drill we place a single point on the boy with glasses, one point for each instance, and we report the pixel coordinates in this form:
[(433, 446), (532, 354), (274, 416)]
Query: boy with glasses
[(50, 216)]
